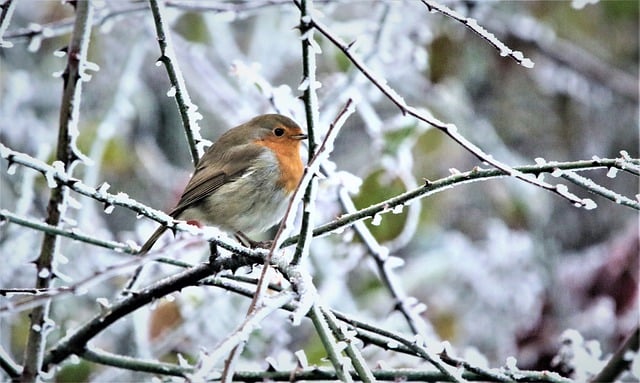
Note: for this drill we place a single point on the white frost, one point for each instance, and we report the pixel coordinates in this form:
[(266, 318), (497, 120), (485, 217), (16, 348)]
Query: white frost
[(589, 204)]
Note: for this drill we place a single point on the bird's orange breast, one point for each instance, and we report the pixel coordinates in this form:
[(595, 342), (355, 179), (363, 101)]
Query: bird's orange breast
[(287, 152)]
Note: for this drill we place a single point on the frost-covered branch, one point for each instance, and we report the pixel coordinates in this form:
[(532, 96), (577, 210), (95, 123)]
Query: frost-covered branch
[(368, 333), (312, 373), (308, 86), (231, 344), (9, 366), (473, 25), (188, 110), (329, 344), (72, 233), (54, 175), (6, 11), (67, 156), (313, 167), (344, 336), (449, 129), (76, 341), (474, 175), (406, 305)]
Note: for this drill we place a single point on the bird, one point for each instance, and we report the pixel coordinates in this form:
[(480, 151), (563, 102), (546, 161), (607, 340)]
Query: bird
[(243, 182)]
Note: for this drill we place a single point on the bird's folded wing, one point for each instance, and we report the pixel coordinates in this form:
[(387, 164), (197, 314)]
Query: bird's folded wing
[(213, 171)]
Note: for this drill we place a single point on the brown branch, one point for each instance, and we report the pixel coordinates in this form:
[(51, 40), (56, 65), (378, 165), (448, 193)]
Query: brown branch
[(67, 154)]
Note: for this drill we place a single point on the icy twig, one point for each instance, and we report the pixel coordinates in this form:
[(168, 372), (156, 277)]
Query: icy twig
[(188, 110), (474, 175), (67, 156), (5, 19), (321, 155), (448, 129), (237, 337), (342, 335), (473, 25), (76, 341), (7, 364), (69, 233), (380, 255), (593, 187), (329, 343)]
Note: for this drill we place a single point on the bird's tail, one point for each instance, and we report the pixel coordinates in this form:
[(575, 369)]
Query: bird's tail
[(152, 240)]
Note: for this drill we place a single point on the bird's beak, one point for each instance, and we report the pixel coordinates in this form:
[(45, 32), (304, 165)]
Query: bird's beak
[(299, 137)]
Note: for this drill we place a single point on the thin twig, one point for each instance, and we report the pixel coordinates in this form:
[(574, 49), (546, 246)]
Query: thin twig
[(40, 295), (76, 341), (310, 98), (239, 336), (600, 190), (449, 129), (9, 366), (360, 365), (329, 343), (5, 19), (74, 234), (430, 188), (187, 109), (322, 154), (380, 255), (472, 24), (67, 155), (619, 361)]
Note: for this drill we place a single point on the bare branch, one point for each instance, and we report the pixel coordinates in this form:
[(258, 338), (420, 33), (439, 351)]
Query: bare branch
[(188, 110), (472, 24), (67, 155)]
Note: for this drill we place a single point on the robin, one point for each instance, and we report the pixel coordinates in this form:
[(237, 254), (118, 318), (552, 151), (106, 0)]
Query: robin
[(243, 182)]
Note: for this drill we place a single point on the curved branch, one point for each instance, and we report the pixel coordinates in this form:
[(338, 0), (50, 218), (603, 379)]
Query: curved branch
[(449, 129)]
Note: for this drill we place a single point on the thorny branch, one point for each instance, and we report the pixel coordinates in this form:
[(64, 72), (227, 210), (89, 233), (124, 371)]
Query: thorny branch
[(187, 109), (449, 129), (67, 155)]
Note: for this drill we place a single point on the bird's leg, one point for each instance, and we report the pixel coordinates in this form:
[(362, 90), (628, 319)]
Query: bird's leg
[(246, 241)]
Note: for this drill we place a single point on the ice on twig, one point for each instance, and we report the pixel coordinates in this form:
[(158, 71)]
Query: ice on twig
[(589, 204)]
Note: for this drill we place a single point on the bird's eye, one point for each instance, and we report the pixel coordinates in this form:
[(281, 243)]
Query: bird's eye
[(279, 132)]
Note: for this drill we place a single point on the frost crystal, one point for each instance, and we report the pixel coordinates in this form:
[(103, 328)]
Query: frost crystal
[(171, 92), (612, 173), (394, 262), (376, 220), (103, 302), (589, 204), (398, 209), (11, 169)]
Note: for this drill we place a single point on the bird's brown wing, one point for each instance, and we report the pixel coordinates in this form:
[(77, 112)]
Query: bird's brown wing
[(213, 171)]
